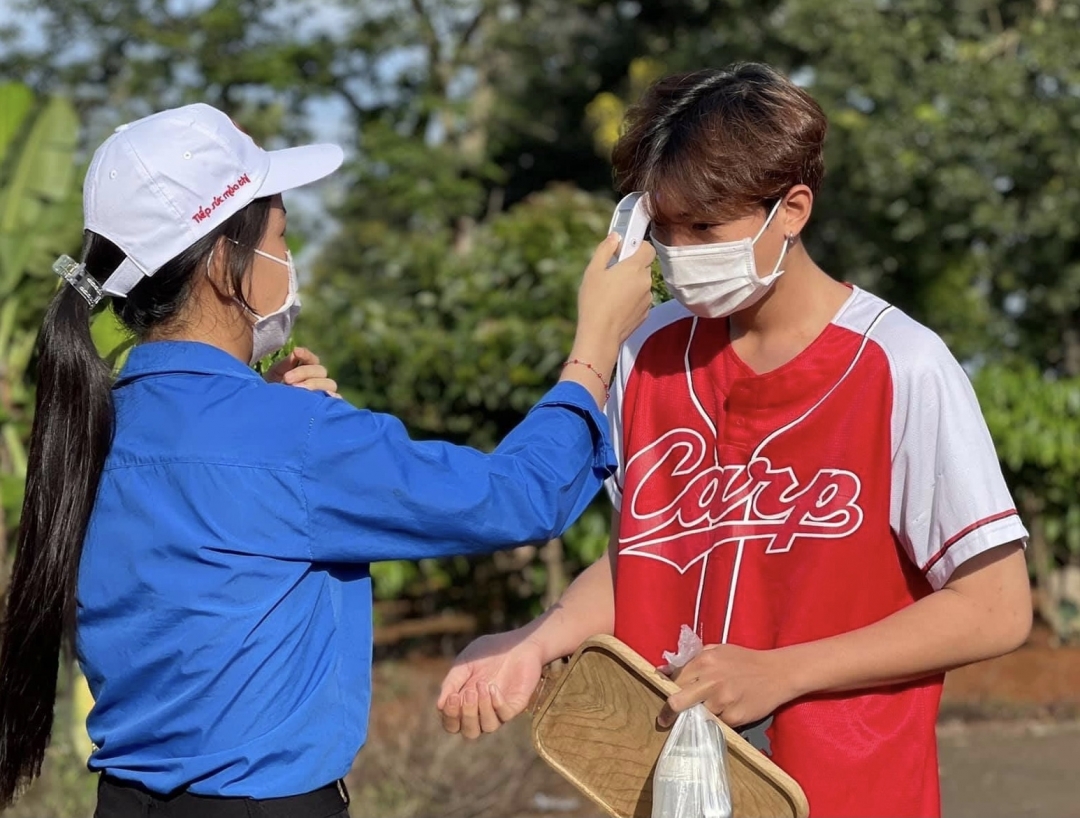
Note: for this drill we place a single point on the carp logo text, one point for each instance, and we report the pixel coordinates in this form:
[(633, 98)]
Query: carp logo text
[(678, 496)]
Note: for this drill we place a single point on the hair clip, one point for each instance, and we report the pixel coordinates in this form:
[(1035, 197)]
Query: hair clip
[(74, 273)]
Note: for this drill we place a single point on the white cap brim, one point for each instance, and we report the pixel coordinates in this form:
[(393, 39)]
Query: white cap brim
[(295, 167)]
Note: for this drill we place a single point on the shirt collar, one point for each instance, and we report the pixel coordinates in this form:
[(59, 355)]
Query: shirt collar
[(182, 357)]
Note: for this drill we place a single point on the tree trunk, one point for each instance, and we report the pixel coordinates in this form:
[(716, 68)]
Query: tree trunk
[(1041, 559), (1070, 343), (552, 554)]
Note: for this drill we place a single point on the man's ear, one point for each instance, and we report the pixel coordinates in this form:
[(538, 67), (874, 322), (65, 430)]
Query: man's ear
[(798, 205)]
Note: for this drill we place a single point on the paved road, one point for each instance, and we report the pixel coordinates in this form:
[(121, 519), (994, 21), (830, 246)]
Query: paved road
[(1010, 770)]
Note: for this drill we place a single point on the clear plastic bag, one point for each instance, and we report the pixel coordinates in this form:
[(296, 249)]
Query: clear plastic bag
[(691, 779)]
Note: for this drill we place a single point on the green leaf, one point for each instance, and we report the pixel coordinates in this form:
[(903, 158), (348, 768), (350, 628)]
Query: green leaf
[(391, 578), (14, 445), (44, 169), (12, 491), (111, 338), (16, 101)]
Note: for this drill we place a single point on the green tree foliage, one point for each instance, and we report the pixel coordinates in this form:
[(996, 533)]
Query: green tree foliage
[(119, 59), (459, 341), (1035, 422), (447, 295), (954, 168)]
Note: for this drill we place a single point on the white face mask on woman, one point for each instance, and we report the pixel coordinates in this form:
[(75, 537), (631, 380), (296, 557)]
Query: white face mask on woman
[(271, 331), (716, 280)]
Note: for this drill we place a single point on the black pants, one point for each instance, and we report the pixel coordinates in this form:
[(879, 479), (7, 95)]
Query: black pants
[(119, 799)]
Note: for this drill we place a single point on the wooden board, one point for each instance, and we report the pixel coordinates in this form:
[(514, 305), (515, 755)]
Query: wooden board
[(595, 723)]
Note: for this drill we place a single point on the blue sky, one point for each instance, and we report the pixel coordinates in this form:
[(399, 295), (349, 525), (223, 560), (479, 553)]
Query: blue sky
[(9, 15)]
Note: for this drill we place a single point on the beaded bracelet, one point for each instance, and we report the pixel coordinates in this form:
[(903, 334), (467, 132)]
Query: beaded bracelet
[(594, 370)]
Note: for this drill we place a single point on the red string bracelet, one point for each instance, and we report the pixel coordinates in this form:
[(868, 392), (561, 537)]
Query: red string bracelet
[(594, 370)]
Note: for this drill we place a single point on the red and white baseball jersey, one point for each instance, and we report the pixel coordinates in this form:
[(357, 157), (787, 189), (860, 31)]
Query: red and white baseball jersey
[(770, 510)]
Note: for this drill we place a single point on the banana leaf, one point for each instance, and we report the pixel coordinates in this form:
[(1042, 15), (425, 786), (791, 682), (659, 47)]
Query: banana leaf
[(111, 338), (16, 100), (40, 179)]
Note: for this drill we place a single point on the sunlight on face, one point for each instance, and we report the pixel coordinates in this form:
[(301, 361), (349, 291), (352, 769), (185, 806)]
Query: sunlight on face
[(268, 284)]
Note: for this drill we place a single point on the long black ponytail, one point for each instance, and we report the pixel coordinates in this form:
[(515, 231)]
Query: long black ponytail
[(73, 427), (69, 444)]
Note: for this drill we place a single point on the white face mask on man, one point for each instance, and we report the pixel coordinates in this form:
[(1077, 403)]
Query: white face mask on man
[(270, 332), (716, 280)]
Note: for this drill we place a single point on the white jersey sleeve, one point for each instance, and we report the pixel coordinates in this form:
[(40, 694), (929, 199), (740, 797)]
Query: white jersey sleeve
[(658, 318), (614, 411), (949, 498)]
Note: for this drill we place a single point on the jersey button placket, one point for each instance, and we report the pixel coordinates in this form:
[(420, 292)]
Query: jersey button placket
[(735, 421)]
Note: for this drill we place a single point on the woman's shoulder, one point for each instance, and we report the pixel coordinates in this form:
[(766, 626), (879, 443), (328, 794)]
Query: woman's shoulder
[(290, 411), (246, 423)]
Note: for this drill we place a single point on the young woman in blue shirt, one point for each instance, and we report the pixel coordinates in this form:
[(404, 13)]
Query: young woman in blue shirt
[(200, 536)]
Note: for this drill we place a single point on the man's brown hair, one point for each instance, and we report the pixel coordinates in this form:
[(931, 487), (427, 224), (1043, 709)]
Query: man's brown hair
[(713, 145)]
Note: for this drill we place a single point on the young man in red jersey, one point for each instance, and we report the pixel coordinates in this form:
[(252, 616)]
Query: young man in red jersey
[(805, 475)]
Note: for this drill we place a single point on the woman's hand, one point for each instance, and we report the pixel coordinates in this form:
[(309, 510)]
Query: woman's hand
[(612, 303), (490, 683), (739, 685), (302, 368)]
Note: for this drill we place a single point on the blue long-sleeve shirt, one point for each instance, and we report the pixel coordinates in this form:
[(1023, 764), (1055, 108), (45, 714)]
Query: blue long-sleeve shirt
[(224, 598)]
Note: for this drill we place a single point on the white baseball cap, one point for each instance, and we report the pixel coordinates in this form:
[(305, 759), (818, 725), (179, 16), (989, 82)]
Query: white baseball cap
[(161, 183)]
